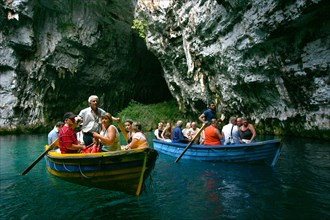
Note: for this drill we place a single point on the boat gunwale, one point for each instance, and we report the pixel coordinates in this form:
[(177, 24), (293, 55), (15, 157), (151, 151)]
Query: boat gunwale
[(238, 153), (232, 146), (58, 155)]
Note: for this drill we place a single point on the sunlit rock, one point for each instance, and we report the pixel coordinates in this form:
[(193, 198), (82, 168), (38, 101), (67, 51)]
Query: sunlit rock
[(267, 60)]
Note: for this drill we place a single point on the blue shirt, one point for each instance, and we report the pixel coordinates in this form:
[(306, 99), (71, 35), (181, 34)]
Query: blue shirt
[(209, 114), (177, 135), (52, 136)]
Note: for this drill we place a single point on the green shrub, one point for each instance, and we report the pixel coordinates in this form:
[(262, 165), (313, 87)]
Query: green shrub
[(150, 115), (140, 26)]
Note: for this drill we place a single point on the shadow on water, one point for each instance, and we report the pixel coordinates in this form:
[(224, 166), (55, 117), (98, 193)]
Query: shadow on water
[(297, 188), (211, 189)]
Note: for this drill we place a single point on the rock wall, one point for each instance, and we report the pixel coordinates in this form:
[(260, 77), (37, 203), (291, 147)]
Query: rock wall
[(267, 60), (55, 54)]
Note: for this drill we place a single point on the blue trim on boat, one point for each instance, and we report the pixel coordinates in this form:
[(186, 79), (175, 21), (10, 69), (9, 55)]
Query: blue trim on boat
[(252, 152), (87, 168)]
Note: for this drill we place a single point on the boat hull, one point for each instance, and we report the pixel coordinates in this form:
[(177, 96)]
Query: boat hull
[(117, 171), (264, 151)]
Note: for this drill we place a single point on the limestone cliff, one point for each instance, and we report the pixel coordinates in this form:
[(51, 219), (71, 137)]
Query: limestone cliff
[(267, 60), (55, 54)]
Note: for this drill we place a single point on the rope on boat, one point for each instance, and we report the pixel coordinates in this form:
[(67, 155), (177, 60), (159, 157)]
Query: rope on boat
[(55, 166), (66, 168), (89, 177)]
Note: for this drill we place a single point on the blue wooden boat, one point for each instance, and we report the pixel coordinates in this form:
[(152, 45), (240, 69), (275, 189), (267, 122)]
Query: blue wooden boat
[(263, 151), (123, 171)]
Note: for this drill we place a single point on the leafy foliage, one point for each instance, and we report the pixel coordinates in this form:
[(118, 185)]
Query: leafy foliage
[(140, 26), (150, 115)]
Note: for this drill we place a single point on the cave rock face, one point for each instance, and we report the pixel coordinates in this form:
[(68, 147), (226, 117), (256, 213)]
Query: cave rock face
[(55, 54), (267, 60)]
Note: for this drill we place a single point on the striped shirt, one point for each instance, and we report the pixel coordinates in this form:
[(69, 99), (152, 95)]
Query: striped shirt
[(66, 138)]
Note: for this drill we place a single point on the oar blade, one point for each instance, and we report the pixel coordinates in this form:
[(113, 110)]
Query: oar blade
[(54, 144), (191, 142)]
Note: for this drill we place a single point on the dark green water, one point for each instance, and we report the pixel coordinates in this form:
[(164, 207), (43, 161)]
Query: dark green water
[(297, 188)]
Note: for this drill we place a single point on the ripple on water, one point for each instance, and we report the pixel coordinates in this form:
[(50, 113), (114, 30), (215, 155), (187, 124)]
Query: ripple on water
[(297, 188)]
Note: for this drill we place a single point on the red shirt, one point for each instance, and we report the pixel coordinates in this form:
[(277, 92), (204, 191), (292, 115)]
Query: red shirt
[(66, 138), (211, 138)]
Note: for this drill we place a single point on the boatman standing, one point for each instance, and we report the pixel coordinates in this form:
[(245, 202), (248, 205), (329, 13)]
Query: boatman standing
[(91, 118), (209, 114)]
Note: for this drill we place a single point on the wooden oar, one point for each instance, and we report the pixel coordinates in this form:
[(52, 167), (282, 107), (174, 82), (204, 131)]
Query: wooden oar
[(220, 115), (138, 191), (54, 144), (192, 141), (123, 131)]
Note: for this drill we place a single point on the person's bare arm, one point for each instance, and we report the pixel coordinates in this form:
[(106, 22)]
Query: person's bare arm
[(109, 140), (123, 130), (157, 135), (76, 147), (132, 145), (220, 136), (163, 133), (254, 133), (201, 118)]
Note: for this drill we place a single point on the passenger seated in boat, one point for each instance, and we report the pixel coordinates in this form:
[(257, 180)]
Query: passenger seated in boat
[(139, 140), (80, 135), (239, 122), (167, 132), (230, 132), (185, 131), (109, 136), (129, 129), (67, 137), (158, 131), (93, 147), (177, 135), (212, 135), (202, 137), (53, 134), (193, 131), (248, 133)]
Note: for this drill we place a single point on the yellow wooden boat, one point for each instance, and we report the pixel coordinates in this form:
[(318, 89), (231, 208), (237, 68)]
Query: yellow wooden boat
[(123, 171)]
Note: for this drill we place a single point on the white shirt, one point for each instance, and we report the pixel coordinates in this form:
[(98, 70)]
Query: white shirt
[(226, 130), (91, 122), (141, 138), (156, 133)]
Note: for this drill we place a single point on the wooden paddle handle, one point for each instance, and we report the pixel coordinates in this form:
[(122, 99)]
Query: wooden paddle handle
[(123, 131), (191, 142), (54, 144)]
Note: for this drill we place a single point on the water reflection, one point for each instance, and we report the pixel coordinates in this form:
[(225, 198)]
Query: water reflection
[(213, 186), (297, 188)]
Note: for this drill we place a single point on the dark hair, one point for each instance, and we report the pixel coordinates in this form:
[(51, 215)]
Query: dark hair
[(232, 119), (59, 124), (244, 118), (214, 121), (129, 121), (69, 115)]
